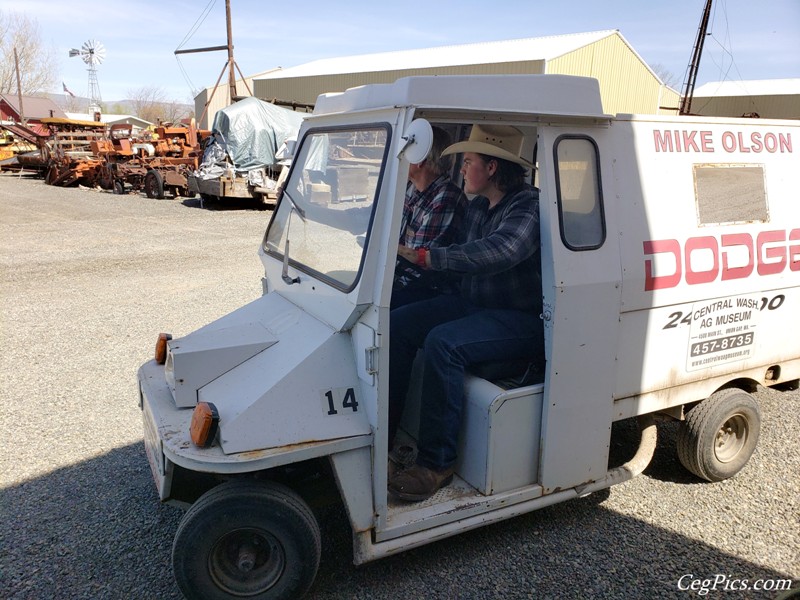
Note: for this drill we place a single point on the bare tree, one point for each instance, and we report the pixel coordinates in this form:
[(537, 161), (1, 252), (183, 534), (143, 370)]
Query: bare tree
[(148, 102), (117, 109), (73, 104), (665, 75), (36, 62), (174, 112)]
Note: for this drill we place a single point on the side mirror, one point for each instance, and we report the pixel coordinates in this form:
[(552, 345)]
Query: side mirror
[(418, 138)]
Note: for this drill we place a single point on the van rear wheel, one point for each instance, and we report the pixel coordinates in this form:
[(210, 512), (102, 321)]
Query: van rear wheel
[(719, 435), (246, 539)]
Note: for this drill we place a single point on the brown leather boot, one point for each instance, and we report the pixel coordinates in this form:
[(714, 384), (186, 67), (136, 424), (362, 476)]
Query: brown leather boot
[(419, 483), (400, 458)]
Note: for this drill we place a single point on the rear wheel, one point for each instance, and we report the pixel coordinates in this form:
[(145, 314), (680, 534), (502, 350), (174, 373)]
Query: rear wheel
[(719, 435), (247, 540), (106, 178), (119, 187), (154, 184)]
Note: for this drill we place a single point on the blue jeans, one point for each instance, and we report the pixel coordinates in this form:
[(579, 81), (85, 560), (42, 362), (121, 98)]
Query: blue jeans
[(409, 295), (454, 335)]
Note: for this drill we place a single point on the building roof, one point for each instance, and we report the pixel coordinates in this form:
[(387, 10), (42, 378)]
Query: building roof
[(112, 119), (528, 49), (752, 87), (34, 107)]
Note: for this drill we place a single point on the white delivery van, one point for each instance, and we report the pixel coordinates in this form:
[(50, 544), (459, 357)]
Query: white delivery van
[(671, 281)]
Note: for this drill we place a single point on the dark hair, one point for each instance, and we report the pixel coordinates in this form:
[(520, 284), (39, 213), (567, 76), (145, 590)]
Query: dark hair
[(509, 176)]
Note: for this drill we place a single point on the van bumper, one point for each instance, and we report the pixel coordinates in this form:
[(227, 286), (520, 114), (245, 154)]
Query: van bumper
[(167, 442)]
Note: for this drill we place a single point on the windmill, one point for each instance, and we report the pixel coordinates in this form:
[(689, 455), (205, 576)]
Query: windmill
[(92, 53)]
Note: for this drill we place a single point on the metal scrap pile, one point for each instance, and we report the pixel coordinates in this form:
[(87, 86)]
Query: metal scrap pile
[(241, 158), (87, 153)]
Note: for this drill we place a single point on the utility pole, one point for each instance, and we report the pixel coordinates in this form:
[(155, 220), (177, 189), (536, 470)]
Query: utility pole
[(229, 65), (19, 89), (691, 73)]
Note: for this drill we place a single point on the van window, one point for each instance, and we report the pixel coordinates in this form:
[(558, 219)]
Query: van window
[(326, 207), (727, 193), (580, 201)]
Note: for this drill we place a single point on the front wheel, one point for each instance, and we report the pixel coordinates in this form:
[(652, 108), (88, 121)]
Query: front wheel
[(119, 187), (719, 435), (154, 184), (247, 540)]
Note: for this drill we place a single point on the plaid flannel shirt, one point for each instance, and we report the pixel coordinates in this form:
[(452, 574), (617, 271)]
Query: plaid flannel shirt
[(430, 219), (498, 254)]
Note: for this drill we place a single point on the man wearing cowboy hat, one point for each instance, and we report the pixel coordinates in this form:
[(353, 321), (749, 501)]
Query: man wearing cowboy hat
[(495, 315)]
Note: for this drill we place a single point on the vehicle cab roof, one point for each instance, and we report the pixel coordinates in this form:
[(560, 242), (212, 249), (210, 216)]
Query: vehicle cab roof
[(556, 95)]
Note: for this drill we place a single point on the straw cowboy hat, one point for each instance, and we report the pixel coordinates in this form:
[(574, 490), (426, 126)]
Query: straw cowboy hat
[(500, 141)]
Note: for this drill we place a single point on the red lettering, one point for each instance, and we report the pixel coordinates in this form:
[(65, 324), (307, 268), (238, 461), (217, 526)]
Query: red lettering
[(706, 141), (658, 282), (663, 140), (794, 250), (742, 147), (785, 140), (755, 138), (688, 141), (701, 243), (771, 142), (737, 239), (728, 142), (769, 256), (771, 268)]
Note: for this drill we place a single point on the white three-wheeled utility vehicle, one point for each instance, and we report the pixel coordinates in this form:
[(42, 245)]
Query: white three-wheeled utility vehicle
[(671, 277)]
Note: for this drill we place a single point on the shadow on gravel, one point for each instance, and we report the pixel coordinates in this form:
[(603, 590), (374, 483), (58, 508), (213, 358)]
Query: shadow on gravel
[(24, 174), (96, 530), (225, 205), (665, 465), (92, 530)]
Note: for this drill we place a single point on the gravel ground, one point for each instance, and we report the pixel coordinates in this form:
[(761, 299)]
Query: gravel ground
[(90, 278)]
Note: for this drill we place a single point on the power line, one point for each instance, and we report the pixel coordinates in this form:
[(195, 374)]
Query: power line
[(200, 20), (185, 73), (192, 30)]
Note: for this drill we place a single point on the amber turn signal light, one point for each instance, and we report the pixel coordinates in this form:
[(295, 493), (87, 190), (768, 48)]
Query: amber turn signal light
[(161, 347), (205, 422)]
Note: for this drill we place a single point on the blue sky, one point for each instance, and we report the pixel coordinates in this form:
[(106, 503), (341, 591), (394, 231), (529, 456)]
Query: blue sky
[(748, 40)]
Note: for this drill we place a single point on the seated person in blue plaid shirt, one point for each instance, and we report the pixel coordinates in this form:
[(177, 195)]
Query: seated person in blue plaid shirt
[(432, 213), (495, 315)]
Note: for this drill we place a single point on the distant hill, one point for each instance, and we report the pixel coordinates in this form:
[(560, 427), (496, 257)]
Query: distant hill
[(118, 107)]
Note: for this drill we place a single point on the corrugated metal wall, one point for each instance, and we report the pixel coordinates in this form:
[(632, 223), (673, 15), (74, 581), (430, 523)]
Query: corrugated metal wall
[(626, 84), (220, 100), (306, 89), (670, 100), (767, 107)]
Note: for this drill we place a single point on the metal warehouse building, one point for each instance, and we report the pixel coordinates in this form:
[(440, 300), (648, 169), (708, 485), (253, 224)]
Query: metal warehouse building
[(627, 83), (767, 98)]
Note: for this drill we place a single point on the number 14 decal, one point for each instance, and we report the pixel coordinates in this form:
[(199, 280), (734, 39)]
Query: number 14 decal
[(339, 401)]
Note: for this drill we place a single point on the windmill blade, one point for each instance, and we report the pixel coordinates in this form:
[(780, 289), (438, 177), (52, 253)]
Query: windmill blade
[(99, 52), (93, 52)]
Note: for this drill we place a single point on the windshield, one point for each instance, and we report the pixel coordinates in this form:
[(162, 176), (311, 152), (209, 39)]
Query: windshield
[(327, 203)]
